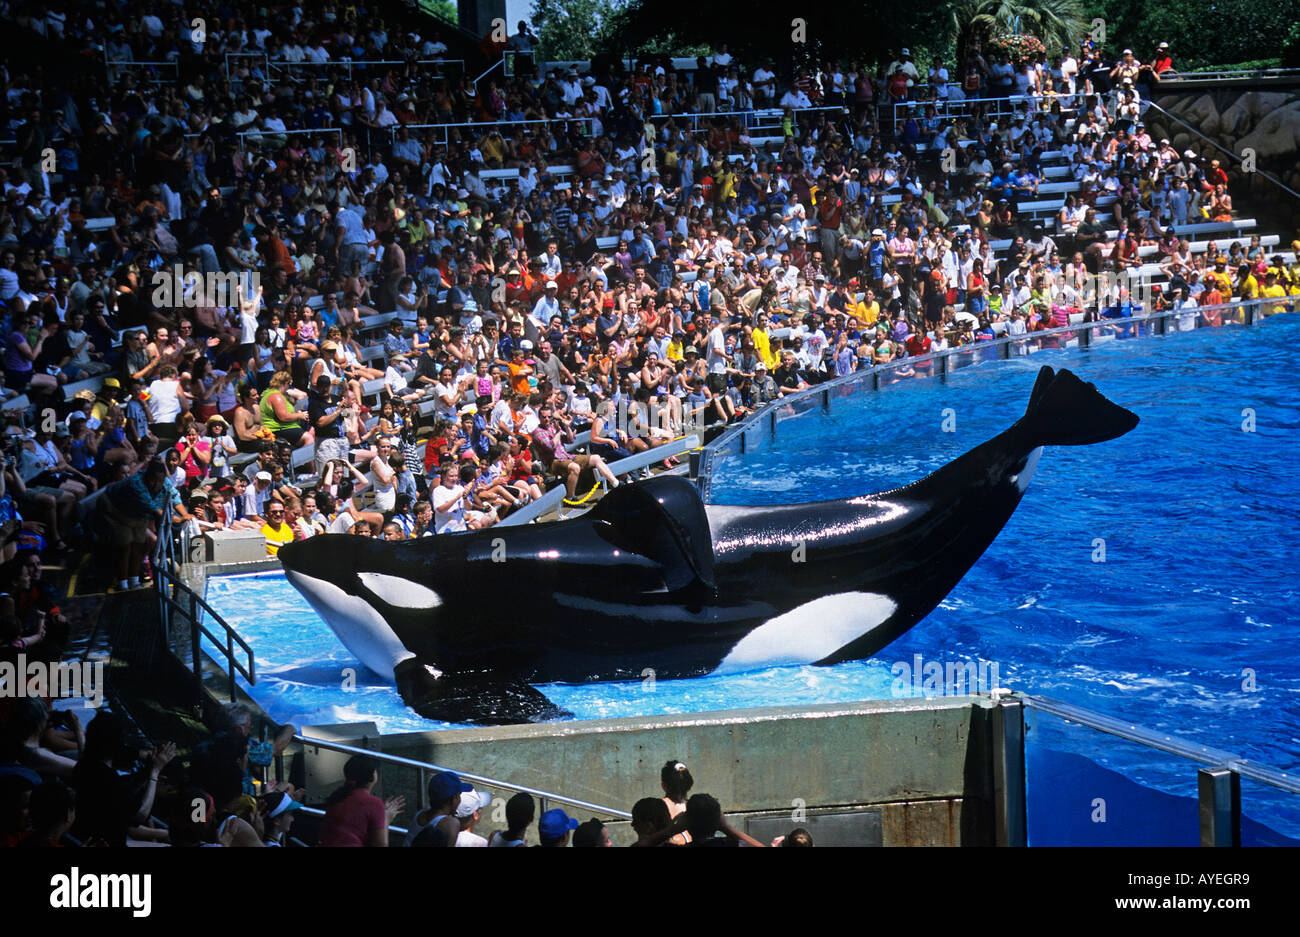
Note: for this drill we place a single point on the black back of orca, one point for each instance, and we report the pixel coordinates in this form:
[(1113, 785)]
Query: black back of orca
[(652, 578)]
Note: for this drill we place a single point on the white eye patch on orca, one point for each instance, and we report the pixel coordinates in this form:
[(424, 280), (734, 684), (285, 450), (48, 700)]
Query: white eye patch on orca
[(399, 592)]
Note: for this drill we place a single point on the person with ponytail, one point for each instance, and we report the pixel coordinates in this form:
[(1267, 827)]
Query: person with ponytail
[(353, 815), (677, 783)]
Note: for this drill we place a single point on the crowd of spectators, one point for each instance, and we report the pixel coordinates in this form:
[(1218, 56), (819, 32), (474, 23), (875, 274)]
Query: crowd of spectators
[(456, 816), (62, 785), (434, 311), (301, 295)]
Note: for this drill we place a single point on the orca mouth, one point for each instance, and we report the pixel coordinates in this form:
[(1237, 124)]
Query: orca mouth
[(356, 623)]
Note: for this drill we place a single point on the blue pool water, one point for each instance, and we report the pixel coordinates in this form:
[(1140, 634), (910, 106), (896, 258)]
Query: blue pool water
[(1189, 625)]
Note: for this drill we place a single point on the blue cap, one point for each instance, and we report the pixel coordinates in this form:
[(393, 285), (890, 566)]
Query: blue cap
[(555, 823), (444, 784)]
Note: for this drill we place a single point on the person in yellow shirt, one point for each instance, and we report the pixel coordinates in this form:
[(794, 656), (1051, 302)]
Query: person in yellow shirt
[(762, 344), (866, 310), (1218, 276), (1272, 290), (724, 184), (674, 349), (1246, 287), (275, 530)]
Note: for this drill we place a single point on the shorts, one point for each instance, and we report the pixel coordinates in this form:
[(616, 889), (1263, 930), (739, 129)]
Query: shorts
[(586, 476), (330, 449), (291, 434), (123, 531)]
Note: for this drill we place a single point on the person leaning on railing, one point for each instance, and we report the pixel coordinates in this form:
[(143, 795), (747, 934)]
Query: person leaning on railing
[(126, 509)]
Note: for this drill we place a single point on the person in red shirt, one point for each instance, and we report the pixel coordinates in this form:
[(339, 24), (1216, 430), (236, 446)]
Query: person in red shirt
[(918, 343), (1212, 297), (1163, 61), (353, 815)]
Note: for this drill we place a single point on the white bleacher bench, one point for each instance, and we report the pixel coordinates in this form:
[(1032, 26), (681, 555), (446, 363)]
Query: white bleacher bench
[(21, 402), (100, 224), (1059, 188), (316, 302), (1000, 246), (372, 353), (607, 243), (383, 319), (493, 174), (761, 143), (303, 455), (1045, 207), (1214, 227), (560, 170), (372, 389), (1056, 172), (90, 383), (1225, 244)]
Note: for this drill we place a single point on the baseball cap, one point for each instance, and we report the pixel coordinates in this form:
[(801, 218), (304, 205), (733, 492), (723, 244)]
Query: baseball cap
[(263, 476), (526, 345), (446, 783), (472, 800), (552, 285), (877, 233), (555, 823)]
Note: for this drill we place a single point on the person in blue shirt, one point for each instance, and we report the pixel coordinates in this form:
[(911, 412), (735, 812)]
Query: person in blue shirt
[(480, 439), (876, 256), (703, 289), (1123, 308)]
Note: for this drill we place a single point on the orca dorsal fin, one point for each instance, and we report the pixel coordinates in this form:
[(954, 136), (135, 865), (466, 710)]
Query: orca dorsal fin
[(662, 519)]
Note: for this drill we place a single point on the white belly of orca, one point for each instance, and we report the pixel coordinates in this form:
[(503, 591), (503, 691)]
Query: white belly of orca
[(810, 632), (1021, 480), (360, 628)]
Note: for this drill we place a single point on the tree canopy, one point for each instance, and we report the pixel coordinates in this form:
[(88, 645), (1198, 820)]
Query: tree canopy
[(1222, 32)]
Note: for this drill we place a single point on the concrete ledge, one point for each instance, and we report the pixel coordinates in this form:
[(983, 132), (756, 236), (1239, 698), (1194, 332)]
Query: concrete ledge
[(926, 763)]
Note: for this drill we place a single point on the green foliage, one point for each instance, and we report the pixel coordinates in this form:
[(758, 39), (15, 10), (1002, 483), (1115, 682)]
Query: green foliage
[(442, 9), (1291, 47), (1059, 24), (576, 29), (1200, 35)]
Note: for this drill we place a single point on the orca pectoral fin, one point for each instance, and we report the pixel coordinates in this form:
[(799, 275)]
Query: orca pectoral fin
[(478, 697)]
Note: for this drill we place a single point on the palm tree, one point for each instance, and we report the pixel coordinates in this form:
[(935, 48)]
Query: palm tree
[(1060, 24)]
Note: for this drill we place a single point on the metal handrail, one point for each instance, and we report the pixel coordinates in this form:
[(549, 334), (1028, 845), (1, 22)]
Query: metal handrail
[(1223, 149), (423, 767), (769, 411), (1226, 74), (1170, 744), (164, 562)]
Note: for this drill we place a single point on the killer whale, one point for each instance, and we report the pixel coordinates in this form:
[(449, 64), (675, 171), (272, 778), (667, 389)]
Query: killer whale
[(653, 578)]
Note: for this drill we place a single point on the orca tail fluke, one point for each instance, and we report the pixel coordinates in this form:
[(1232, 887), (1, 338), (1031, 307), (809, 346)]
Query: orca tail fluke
[(480, 697), (1065, 410)]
